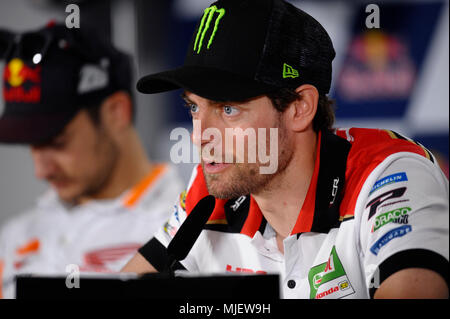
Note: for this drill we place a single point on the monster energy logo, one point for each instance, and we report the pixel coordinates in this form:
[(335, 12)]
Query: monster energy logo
[(289, 72), (204, 26)]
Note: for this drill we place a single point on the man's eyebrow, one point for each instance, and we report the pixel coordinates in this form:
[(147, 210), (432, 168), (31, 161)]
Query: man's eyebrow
[(50, 141), (213, 103), (185, 98)]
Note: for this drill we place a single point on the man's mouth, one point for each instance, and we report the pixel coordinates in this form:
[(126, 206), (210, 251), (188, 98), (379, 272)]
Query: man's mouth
[(212, 167)]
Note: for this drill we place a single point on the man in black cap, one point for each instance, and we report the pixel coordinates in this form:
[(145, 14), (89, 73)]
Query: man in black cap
[(352, 213), (68, 95)]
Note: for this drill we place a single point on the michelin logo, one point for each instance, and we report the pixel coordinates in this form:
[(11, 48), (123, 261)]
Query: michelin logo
[(394, 178), (394, 233)]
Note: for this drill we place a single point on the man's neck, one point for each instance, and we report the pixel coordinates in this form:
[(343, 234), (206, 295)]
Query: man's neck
[(286, 193)]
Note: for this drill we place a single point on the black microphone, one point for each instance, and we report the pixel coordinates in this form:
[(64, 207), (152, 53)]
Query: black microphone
[(189, 231)]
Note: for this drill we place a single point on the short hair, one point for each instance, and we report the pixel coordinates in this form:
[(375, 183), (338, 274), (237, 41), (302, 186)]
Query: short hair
[(324, 117)]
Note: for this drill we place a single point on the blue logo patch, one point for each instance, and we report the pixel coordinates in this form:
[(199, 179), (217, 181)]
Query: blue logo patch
[(394, 233), (394, 178)]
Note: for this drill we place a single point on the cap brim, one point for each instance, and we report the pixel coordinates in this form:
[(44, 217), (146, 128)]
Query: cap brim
[(210, 83), (32, 129)]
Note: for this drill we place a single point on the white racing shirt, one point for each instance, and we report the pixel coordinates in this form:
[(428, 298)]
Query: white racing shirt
[(99, 236), (377, 203)]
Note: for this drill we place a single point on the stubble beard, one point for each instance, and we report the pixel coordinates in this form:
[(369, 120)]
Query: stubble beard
[(245, 178), (108, 153)]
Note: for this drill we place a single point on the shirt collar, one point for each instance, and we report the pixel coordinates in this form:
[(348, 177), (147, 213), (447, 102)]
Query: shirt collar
[(320, 210)]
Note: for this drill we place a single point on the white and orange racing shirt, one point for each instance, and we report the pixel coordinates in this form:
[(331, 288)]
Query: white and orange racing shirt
[(99, 236), (377, 203)]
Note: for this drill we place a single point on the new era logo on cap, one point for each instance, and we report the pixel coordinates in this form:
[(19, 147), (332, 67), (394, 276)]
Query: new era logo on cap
[(289, 72), (93, 77)]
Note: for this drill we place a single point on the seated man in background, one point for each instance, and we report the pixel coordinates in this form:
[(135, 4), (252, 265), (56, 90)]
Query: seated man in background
[(346, 213), (68, 95)]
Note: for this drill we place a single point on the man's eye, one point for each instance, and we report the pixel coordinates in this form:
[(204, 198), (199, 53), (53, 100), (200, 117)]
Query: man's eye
[(230, 110), (193, 108)]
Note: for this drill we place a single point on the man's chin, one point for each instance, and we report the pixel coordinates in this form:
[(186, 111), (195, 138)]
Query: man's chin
[(223, 193), (68, 198), (217, 185), (66, 194), (226, 185)]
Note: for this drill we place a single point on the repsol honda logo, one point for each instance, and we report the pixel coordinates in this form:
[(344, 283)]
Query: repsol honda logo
[(205, 24)]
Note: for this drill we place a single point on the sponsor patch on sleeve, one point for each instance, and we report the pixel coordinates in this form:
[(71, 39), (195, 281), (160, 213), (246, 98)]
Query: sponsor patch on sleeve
[(398, 216), (390, 235), (391, 179)]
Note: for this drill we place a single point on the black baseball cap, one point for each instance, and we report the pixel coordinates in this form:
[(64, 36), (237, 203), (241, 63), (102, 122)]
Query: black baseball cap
[(52, 73), (246, 48)]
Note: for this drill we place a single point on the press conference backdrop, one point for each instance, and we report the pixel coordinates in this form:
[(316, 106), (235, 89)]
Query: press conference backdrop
[(394, 77)]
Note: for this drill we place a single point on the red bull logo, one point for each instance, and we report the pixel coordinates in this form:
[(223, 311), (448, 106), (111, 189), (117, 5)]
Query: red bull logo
[(21, 82), (379, 66)]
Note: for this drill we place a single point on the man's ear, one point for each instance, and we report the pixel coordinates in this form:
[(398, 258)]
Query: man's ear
[(117, 110), (300, 113)]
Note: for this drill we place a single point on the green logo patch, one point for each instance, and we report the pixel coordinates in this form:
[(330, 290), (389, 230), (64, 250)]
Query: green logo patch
[(289, 72), (399, 215), (329, 278), (205, 23)]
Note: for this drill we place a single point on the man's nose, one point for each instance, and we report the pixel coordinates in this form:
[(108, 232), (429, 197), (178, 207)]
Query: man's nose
[(203, 122), (43, 162)]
